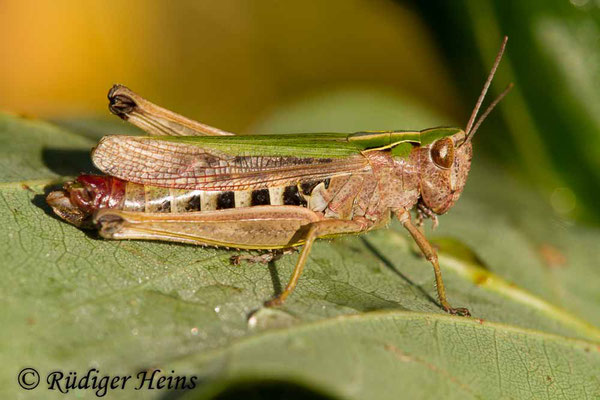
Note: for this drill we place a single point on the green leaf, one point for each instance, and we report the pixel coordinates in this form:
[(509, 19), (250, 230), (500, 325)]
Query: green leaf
[(363, 322)]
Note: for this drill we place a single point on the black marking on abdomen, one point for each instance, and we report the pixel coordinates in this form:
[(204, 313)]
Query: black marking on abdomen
[(292, 197), (307, 187), (193, 203), (165, 206), (261, 197), (225, 200)]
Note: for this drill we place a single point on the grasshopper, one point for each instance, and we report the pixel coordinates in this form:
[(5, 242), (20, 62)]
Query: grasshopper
[(192, 183)]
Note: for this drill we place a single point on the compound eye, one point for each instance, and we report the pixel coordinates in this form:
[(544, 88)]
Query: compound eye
[(442, 153)]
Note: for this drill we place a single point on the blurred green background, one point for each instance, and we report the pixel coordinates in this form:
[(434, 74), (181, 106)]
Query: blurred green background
[(232, 63)]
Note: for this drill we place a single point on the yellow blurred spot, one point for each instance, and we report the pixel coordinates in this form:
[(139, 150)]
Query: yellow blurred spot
[(223, 63)]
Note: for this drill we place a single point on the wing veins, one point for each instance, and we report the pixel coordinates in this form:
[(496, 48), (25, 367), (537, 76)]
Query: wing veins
[(193, 167)]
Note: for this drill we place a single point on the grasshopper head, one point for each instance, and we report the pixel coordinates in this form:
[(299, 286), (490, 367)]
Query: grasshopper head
[(446, 165)]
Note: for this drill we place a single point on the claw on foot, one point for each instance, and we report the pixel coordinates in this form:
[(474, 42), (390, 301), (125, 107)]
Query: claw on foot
[(264, 258), (460, 311), (274, 302), (258, 259)]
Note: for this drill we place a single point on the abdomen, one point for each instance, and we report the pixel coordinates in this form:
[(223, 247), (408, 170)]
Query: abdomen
[(114, 193)]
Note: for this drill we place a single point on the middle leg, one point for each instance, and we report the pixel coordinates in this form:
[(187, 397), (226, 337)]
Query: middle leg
[(318, 229)]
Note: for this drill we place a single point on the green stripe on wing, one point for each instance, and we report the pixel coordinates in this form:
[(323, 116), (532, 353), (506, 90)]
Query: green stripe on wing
[(318, 145)]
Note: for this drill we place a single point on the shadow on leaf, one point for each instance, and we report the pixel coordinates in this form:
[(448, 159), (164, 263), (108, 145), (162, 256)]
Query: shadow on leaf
[(390, 265), (68, 162), (254, 390)]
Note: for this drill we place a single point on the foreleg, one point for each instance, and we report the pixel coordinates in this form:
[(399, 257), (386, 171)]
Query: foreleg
[(431, 256)]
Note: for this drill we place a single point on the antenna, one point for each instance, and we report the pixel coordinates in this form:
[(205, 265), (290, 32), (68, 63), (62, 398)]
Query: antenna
[(488, 111), (470, 131)]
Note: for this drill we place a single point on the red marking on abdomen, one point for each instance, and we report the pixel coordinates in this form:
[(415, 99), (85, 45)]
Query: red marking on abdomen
[(99, 191)]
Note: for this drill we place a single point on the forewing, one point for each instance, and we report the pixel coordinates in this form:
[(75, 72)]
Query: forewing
[(180, 165)]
